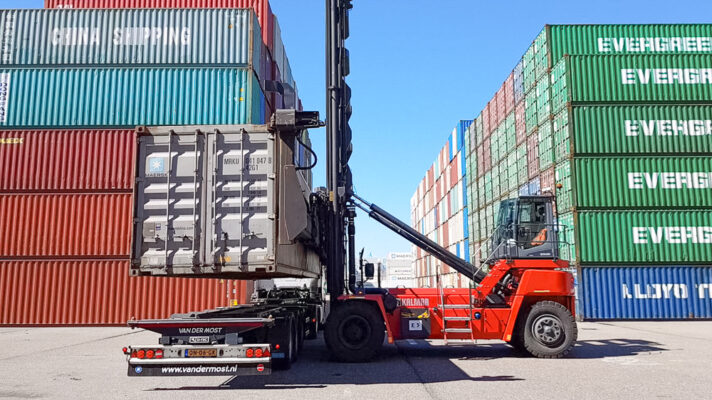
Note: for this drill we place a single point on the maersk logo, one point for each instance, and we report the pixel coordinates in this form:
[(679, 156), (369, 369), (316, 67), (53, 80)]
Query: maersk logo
[(156, 166), (669, 180), (666, 76), (672, 235), (636, 128), (666, 291), (655, 45)]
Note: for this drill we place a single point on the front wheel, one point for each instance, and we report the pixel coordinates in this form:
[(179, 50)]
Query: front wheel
[(354, 332), (550, 330)]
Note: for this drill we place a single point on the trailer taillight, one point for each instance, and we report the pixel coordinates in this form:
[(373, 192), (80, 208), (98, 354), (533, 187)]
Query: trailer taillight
[(258, 353), (149, 353), (260, 367), (140, 354), (250, 353), (159, 353)]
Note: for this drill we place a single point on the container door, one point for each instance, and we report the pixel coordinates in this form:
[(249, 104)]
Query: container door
[(169, 197), (241, 199)]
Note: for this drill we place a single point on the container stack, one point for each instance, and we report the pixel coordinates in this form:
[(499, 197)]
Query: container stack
[(616, 122), (439, 210), (74, 84)]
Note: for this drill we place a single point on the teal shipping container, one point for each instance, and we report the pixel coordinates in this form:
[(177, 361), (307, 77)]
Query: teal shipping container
[(127, 97), (130, 36)]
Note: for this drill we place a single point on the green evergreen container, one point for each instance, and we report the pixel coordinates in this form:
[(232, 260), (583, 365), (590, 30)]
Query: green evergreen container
[(633, 129), (632, 79), (643, 182), (683, 237)]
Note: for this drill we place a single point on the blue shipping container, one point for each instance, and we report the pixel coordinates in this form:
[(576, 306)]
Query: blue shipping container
[(127, 97), (640, 292)]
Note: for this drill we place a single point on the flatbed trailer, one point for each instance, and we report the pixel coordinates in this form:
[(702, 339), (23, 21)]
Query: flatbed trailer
[(241, 340)]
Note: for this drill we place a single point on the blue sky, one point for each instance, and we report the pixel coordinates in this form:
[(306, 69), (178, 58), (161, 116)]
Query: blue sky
[(416, 69)]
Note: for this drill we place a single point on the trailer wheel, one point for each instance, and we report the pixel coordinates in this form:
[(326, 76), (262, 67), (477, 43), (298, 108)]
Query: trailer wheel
[(289, 357), (550, 330), (354, 332)]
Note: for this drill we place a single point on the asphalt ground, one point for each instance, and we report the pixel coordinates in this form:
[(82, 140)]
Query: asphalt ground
[(613, 360)]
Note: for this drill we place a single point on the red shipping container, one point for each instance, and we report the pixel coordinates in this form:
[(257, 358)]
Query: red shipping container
[(65, 225), (102, 293), (547, 181), (261, 7), (67, 160), (501, 105), (520, 125), (533, 156), (486, 123), (454, 176), (509, 94), (487, 148)]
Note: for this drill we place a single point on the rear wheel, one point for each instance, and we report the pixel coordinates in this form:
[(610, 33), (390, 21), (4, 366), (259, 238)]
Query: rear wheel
[(550, 330), (354, 332)]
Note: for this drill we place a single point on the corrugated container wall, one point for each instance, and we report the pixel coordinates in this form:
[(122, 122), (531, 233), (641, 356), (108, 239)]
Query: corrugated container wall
[(102, 293), (65, 225), (67, 160), (261, 7), (138, 36), (127, 97), (646, 292)]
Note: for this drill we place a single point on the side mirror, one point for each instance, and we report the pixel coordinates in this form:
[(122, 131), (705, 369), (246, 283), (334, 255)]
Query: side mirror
[(369, 270)]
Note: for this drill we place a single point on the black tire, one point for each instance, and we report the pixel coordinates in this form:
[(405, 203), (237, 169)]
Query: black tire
[(294, 339), (286, 362), (354, 332), (517, 343), (549, 331)]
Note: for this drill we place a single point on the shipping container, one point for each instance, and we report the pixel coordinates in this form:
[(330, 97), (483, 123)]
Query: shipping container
[(226, 183), (127, 97), (102, 293), (627, 78), (628, 39), (634, 129), (661, 237), (65, 225), (261, 7), (646, 292), (643, 182), (131, 37), (67, 160)]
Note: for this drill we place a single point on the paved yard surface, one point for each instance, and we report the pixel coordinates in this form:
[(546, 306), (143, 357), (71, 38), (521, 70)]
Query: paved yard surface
[(650, 360)]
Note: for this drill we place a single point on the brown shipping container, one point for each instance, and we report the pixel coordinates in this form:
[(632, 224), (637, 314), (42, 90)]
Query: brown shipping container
[(547, 181), (501, 104), (533, 155), (66, 160), (102, 293), (261, 7), (520, 123), (509, 94), (486, 122), (65, 225)]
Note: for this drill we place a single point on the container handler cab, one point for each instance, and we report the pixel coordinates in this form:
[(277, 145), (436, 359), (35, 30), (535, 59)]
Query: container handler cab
[(522, 293)]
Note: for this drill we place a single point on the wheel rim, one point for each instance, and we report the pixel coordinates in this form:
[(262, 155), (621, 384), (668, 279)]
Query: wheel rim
[(354, 331), (548, 330)]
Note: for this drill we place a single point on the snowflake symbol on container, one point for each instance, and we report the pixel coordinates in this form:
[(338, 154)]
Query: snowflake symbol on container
[(156, 166)]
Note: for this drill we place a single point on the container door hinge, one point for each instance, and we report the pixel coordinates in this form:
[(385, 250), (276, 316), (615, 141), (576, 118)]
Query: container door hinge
[(272, 176), (272, 216)]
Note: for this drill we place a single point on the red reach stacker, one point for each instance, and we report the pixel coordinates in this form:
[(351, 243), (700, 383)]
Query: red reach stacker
[(522, 293)]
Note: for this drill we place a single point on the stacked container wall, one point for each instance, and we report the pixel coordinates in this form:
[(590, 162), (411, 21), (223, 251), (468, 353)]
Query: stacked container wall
[(261, 7), (102, 293), (646, 292), (67, 160)]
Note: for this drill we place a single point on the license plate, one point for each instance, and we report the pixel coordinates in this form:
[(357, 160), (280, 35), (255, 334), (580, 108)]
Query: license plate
[(202, 353)]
